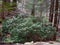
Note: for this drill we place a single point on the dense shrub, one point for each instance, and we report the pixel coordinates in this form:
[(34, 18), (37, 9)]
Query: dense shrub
[(19, 29)]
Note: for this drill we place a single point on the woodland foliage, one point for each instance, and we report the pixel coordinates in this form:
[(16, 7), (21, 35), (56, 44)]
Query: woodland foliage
[(24, 29)]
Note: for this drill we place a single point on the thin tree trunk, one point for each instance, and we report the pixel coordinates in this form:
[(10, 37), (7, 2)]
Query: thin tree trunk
[(15, 3), (51, 11), (2, 15), (55, 18), (4, 12), (56, 14), (33, 9)]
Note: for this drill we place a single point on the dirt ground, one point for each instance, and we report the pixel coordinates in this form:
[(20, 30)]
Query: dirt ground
[(42, 43)]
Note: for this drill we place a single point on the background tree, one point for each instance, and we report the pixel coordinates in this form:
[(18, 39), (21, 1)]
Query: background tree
[(51, 11), (56, 13), (56, 16), (4, 9), (14, 3), (33, 8)]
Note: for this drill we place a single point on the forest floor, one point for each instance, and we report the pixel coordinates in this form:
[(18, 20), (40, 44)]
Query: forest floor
[(40, 43)]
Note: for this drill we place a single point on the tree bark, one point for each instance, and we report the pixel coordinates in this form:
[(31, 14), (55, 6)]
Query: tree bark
[(33, 9), (51, 11), (4, 12), (55, 18), (15, 3), (56, 13)]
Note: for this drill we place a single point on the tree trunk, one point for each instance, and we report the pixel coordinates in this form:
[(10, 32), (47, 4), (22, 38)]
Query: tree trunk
[(33, 9), (4, 12), (56, 14), (55, 18), (14, 3), (51, 11)]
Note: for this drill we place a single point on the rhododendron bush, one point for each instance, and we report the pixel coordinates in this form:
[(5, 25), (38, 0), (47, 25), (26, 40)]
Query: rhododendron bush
[(21, 29)]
